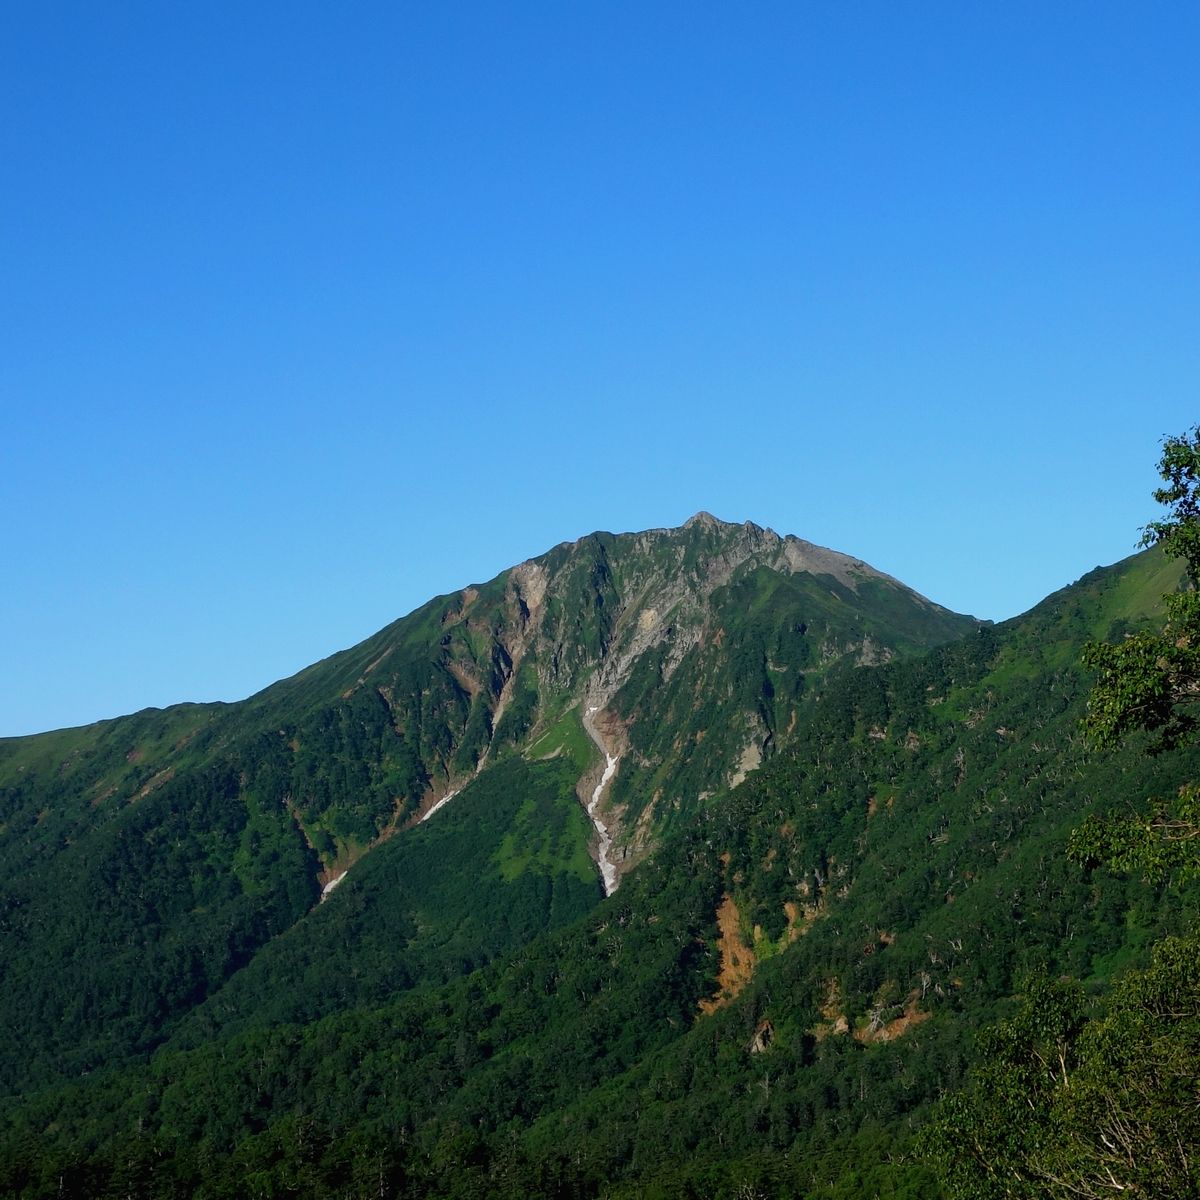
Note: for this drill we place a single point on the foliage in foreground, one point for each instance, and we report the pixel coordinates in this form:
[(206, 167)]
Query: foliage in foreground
[(1067, 1107), (1072, 1108)]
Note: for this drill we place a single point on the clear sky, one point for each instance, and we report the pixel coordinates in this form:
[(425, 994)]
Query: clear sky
[(309, 312)]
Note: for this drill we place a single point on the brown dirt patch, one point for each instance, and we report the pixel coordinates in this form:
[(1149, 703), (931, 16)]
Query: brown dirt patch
[(155, 781), (340, 865), (799, 920), (466, 679), (456, 615), (894, 1028), (835, 1019), (371, 666), (104, 795), (901, 1025), (737, 959)]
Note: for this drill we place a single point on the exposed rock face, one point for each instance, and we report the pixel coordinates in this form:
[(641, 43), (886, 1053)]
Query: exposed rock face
[(694, 646), (764, 1035)]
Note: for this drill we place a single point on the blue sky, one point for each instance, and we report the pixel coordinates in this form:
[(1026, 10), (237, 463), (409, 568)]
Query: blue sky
[(310, 312)]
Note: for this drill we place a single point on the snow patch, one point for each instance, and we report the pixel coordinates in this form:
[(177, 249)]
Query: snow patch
[(444, 800), (332, 884), (608, 869)]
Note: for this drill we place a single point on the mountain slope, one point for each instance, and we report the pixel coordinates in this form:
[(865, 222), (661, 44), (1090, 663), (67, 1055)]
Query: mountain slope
[(882, 885), (152, 858)]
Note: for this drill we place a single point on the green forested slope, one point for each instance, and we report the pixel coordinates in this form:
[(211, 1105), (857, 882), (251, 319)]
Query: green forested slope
[(487, 873), (896, 872), (146, 862), (1070, 1100)]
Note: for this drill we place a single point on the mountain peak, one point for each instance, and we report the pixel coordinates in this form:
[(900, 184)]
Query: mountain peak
[(704, 519)]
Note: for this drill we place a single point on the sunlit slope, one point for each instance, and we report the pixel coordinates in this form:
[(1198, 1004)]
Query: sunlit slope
[(146, 861), (777, 994)]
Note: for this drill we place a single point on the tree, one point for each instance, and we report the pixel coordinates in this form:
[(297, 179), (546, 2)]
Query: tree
[(1065, 1107), (1151, 680)]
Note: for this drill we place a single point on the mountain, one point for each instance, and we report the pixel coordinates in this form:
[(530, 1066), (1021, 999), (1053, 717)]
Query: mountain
[(170, 862), (793, 968), (767, 1006)]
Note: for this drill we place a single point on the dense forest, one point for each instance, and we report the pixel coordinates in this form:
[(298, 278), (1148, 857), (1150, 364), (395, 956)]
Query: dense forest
[(942, 941)]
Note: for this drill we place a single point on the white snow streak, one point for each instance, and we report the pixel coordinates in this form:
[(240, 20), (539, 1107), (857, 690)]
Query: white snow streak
[(338, 878), (332, 884), (608, 869), (447, 797)]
